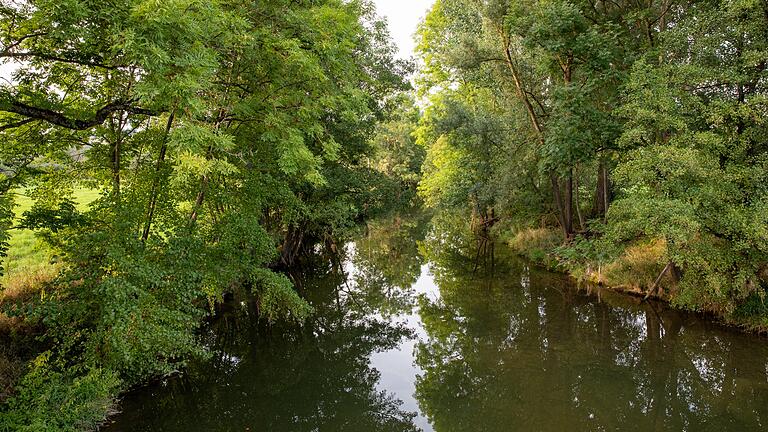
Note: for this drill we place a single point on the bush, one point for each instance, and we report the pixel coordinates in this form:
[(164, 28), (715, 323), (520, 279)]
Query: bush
[(60, 401)]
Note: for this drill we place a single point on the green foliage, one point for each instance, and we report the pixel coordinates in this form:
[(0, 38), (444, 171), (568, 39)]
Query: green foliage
[(224, 139), (60, 401), (126, 307), (6, 221), (277, 299), (692, 172), (467, 153), (583, 252), (526, 91), (396, 152), (444, 177), (53, 219), (753, 306)]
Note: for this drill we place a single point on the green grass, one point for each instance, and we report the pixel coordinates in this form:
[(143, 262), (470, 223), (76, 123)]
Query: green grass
[(29, 258), (537, 244)]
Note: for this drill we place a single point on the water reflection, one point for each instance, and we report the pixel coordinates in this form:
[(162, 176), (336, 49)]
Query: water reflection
[(421, 326), (313, 378), (520, 349), (385, 264)]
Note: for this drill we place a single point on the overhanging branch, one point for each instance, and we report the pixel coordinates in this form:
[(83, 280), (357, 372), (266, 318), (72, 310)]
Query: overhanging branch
[(59, 119)]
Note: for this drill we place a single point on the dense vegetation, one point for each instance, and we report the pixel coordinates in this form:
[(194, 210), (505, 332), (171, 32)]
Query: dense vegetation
[(221, 140), (637, 130), (173, 153)]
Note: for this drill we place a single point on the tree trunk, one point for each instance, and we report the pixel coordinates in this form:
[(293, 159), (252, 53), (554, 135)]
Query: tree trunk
[(602, 191), (566, 65), (558, 203), (156, 182), (576, 200), (116, 149), (116, 169), (568, 206), (291, 246)]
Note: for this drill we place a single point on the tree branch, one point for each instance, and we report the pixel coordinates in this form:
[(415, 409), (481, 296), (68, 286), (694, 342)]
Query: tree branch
[(22, 39), (59, 119), (16, 124), (29, 54)]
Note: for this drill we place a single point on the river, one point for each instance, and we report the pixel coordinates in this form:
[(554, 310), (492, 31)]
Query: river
[(415, 330)]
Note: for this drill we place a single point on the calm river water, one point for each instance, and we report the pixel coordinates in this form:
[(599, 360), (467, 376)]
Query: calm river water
[(416, 330)]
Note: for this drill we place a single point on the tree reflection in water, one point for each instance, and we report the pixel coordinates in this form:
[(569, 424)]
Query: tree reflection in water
[(517, 349), (386, 264), (313, 378), (498, 346)]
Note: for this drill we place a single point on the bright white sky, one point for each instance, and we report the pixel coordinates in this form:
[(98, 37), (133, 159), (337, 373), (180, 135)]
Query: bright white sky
[(403, 16)]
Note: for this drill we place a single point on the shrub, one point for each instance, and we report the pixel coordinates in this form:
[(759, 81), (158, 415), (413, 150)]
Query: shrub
[(60, 401)]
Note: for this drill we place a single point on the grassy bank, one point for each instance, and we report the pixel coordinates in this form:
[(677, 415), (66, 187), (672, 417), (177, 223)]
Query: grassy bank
[(639, 269)]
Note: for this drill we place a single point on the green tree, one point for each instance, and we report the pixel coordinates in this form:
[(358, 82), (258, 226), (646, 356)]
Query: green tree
[(225, 138), (693, 166)]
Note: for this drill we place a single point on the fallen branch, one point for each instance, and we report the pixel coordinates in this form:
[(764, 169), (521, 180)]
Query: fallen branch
[(655, 285)]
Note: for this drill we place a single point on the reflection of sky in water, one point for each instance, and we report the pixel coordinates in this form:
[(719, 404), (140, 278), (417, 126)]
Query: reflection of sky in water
[(398, 368)]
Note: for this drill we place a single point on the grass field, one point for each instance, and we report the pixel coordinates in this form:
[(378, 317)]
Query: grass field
[(29, 260)]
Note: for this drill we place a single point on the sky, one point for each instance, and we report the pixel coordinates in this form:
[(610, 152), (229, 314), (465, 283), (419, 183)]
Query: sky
[(403, 17)]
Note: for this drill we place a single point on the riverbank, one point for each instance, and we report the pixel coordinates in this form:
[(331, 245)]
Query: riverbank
[(640, 270), (30, 265)]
